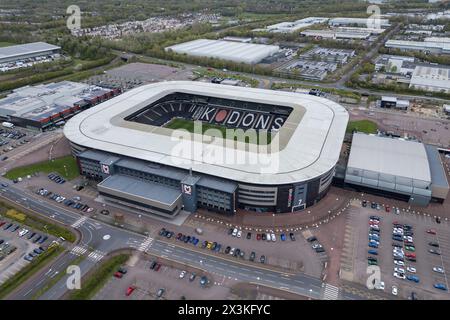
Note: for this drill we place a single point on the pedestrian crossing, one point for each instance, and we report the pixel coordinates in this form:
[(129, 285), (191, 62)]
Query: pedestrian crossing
[(78, 250), (330, 292), (146, 244), (79, 222), (96, 255)]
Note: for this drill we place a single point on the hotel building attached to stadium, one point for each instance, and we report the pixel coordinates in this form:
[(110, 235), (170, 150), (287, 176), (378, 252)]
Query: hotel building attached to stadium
[(130, 147)]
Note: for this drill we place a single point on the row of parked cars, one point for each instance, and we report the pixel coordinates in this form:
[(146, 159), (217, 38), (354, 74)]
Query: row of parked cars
[(213, 246), (30, 235), (377, 206), (155, 266), (12, 134), (6, 249), (56, 178), (74, 202), (235, 232), (434, 249)]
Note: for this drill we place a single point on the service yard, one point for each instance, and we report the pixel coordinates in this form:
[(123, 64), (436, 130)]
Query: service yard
[(393, 240)]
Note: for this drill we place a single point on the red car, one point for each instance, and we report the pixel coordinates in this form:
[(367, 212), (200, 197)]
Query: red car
[(129, 290), (157, 267), (118, 275), (258, 236), (374, 222), (2, 223), (179, 236), (431, 231), (387, 208), (410, 255)]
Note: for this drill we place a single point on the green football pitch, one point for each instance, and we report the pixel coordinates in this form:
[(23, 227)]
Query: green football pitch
[(189, 126)]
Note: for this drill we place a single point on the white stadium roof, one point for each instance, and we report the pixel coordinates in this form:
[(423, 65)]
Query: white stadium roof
[(312, 150), (226, 50)]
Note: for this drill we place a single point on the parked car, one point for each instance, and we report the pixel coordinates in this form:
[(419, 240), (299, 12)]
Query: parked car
[(438, 269), (412, 278), (249, 235), (239, 234), (440, 286), (273, 237), (262, 259), (234, 233), (311, 239), (117, 274), (431, 231), (160, 292), (252, 256), (433, 251), (374, 252), (182, 274), (203, 281), (192, 277), (394, 290), (129, 290), (434, 244), (291, 235), (283, 237), (399, 275)]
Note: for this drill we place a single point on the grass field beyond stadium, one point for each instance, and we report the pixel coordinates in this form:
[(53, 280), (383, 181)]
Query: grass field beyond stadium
[(189, 125)]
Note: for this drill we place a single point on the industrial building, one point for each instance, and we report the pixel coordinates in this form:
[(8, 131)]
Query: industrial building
[(26, 51), (139, 163), (396, 64), (357, 21), (397, 168), (337, 34), (431, 78), (46, 105), (249, 53), (238, 39), (427, 46), (289, 27), (393, 102)]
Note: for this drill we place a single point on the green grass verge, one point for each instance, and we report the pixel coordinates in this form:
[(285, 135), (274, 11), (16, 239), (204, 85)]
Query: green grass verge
[(5, 44), (55, 280), (26, 272), (188, 125), (365, 126), (65, 166), (43, 226), (91, 285)]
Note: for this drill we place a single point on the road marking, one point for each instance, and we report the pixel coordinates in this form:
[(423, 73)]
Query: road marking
[(145, 245), (96, 255), (78, 250), (330, 292), (79, 222)]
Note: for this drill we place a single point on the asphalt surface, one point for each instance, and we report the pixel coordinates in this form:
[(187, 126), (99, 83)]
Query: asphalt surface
[(97, 239)]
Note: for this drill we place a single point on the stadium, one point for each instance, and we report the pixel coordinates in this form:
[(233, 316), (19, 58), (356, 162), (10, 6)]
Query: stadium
[(130, 147)]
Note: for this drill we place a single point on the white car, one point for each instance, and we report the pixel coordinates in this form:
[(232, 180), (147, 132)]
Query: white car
[(380, 286), (394, 290), (273, 237), (399, 250), (398, 255), (268, 237), (374, 241), (23, 232), (399, 263), (399, 269), (234, 232), (316, 246), (409, 238), (182, 274), (411, 269), (438, 269), (239, 234), (399, 275), (375, 226), (232, 251)]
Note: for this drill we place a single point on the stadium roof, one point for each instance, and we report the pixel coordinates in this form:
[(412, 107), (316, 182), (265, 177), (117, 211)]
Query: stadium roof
[(385, 155), (310, 140), (28, 48), (226, 50)]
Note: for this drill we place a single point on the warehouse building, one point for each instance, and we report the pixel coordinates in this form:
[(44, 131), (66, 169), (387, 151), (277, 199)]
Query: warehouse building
[(427, 46), (340, 56), (47, 105), (431, 78), (26, 51), (397, 168), (249, 53), (393, 102), (356, 21), (337, 34), (289, 27)]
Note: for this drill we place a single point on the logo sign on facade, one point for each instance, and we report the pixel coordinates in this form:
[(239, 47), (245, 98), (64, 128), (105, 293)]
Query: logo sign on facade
[(105, 168), (187, 189), (289, 198)]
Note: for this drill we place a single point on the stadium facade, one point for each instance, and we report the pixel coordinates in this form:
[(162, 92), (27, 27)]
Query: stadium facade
[(128, 147)]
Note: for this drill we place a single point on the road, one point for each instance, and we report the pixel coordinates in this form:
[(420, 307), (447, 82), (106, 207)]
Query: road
[(97, 239)]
